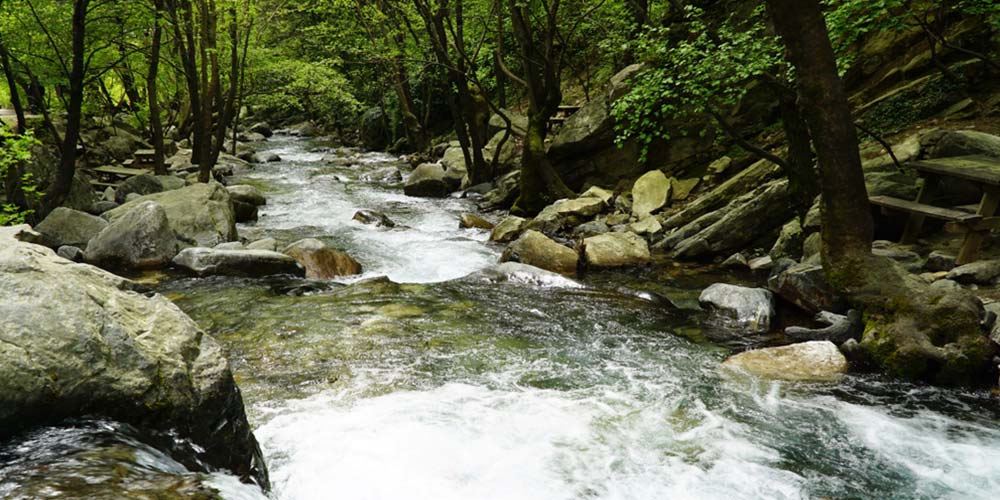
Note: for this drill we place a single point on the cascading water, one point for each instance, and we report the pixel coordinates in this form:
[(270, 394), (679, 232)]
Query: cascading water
[(435, 384)]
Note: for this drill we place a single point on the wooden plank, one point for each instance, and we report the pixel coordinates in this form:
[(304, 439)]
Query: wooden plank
[(102, 184), (979, 169), (916, 221), (145, 152), (120, 171), (985, 224), (912, 207)]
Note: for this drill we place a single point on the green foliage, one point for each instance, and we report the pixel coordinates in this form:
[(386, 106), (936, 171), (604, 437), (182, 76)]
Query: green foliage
[(850, 21), (15, 150), (692, 69), (286, 86)]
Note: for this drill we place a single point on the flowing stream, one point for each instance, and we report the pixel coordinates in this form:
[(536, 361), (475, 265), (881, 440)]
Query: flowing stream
[(439, 383)]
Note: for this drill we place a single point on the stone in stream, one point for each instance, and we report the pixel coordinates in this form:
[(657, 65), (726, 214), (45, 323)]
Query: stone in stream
[(321, 261), (473, 221), (839, 328), (650, 193), (516, 272), (748, 309), (564, 213), (245, 212), (65, 226), (592, 228), (247, 263), (265, 158), (808, 361), (981, 272), (612, 250), (373, 218), (78, 341), (200, 214), (939, 261), (428, 180), (536, 249), (139, 239), (262, 128), (247, 194), (384, 174), (508, 229)]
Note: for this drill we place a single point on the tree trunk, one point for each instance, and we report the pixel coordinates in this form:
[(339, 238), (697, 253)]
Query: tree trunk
[(803, 182), (540, 184), (15, 97), (152, 92), (57, 192), (846, 213)]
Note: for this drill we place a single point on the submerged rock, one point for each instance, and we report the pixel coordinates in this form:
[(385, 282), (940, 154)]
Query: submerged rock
[(249, 263), (77, 341), (373, 218), (536, 249), (749, 309), (612, 250), (322, 261), (139, 239), (516, 272), (65, 226), (809, 361)]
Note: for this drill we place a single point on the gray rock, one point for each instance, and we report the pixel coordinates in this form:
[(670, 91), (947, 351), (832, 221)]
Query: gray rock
[(200, 214), (264, 244), (390, 175), (70, 253), (805, 285), (981, 272), (140, 185), (946, 143), (747, 309), (102, 206), (789, 243), (373, 218), (519, 123), (649, 226), (321, 261), (139, 239), (248, 263), (598, 192), (77, 341), (761, 263), (939, 261), (132, 197), (735, 261), (170, 182), (262, 128), (428, 180), (840, 328), (247, 194), (808, 361), (592, 127), (505, 192), (244, 212), (564, 213), (251, 137), (230, 245), (373, 129), (516, 272), (536, 249), (614, 250), (592, 228), (508, 229), (812, 246), (650, 193), (265, 158), (65, 226)]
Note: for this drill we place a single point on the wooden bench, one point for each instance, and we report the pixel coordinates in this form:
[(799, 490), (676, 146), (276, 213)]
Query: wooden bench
[(562, 113), (981, 170)]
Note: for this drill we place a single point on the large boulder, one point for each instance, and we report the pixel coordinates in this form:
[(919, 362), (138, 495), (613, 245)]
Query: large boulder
[(509, 157), (518, 123), (262, 128), (321, 261), (747, 309), (139, 239), (650, 193), (65, 226), (249, 263), (246, 193), (818, 360), (373, 218), (428, 180), (945, 143), (536, 249), (612, 250), (565, 213), (980, 272), (592, 127), (140, 184), (77, 341), (200, 214)]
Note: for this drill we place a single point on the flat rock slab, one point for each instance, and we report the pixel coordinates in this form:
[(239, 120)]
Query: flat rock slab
[(611, 250), (536, 249), (809, 361)]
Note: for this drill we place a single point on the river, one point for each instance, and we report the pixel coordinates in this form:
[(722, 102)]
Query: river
[(434, 384)]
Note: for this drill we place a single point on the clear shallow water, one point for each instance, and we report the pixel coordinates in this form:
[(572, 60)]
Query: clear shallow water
[(433, 387)]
